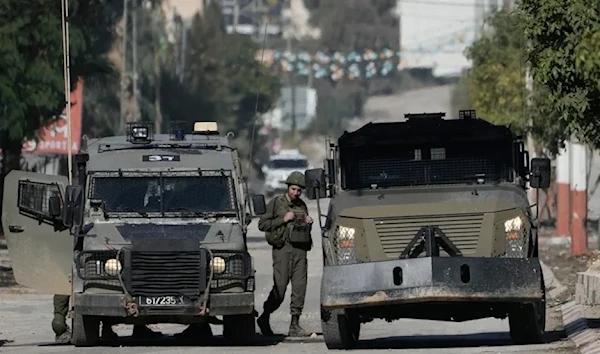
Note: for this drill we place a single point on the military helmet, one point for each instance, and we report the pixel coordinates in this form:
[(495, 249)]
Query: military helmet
[(296, 178)]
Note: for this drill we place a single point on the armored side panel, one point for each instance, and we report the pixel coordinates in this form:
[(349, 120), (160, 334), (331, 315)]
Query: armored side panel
[(40, 248)]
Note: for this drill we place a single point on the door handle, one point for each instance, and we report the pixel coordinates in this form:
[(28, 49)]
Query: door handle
[(16, 228)]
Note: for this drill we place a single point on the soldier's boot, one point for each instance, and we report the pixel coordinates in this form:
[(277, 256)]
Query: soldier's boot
[(263, 324), (295, 329), (143, 332), (61, 329)]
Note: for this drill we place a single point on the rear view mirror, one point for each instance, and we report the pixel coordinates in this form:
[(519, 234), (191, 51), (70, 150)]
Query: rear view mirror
[(258, 204), (540, 173), (54, 206), (316, 187), (74, 207)]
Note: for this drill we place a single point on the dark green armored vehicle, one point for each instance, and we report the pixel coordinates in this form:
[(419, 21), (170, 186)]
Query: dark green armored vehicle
[(152, 230), (429, 219)]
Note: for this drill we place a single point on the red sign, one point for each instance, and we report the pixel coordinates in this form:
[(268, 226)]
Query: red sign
[(53, 139)]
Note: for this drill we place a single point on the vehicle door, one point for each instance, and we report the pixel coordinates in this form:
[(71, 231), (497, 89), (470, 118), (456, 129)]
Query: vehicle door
[(39, 245)]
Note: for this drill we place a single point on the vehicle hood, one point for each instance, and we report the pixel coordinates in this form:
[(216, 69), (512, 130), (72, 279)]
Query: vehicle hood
[(430, 200), (219, 234)]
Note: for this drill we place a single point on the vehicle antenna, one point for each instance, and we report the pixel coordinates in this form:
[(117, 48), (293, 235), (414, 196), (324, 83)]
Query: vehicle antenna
[(67, 76)]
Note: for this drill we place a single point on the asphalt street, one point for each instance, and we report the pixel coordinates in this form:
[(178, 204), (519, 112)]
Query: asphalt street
[(25, 324)]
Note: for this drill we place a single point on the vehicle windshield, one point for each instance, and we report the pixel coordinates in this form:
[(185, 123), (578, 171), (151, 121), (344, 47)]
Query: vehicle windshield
[(180, 195), (288, 163), (417, 165)]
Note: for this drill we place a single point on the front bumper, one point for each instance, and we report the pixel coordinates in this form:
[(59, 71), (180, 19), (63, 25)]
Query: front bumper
[(113, 305), (431, 279)]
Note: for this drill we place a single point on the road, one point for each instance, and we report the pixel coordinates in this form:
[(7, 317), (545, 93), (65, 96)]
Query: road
[(25, 324)]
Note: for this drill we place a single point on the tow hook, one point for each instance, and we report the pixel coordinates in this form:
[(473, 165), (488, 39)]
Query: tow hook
[(132, 308)]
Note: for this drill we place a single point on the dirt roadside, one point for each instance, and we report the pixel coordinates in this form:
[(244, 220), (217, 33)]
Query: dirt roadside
[(555, 252)]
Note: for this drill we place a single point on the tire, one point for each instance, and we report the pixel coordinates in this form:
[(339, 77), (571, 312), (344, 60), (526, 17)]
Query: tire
[(86, 331), (528, 321), (340, 330), (239, 329)]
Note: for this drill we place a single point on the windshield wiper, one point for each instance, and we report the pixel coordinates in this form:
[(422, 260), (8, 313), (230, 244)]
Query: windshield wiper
[(131, 210)]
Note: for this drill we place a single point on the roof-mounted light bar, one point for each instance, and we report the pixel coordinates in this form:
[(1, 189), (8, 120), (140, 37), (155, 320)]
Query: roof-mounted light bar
[(206, 128), (467, 114), (139, 132)]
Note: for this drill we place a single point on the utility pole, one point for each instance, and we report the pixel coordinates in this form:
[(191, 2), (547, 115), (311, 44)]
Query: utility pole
[(136, 110), (292, 83), (124, 64), (236, 15), (157, 71)]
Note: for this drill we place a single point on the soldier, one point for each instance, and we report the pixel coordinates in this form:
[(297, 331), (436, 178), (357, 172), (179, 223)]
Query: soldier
[(287, 227), (63, 334)]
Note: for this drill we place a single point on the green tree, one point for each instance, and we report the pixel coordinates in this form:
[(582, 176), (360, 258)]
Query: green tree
[(565, 59), (495, 85), (32, 81)]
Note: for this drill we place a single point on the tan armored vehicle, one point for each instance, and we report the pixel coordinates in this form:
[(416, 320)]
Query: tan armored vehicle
[(429, 219), (153, 230)]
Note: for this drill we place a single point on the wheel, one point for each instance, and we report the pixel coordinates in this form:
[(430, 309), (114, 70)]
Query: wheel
[(528, 321), (239, 329), (86, 331), (340, 330)]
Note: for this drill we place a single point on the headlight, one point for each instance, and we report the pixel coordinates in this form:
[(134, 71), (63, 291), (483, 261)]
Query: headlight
[(113, 267), (217, 264), (513, 225), (345, 236)]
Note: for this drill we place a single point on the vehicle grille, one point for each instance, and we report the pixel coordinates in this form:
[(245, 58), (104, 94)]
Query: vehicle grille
[(166, 273), (396, 233)]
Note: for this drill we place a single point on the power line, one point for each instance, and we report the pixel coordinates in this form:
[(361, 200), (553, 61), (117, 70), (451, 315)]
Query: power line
[(441, 3)]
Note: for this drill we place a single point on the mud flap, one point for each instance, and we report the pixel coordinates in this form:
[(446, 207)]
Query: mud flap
[(39, 246)]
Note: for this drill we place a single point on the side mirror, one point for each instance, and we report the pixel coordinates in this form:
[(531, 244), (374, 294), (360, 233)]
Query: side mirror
[(74, 208), (540, 173), (315, 183), (258, 204), (54, 206)]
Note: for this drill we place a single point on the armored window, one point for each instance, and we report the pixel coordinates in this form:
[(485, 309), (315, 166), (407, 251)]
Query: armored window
[(413, 165), (154, 194), (34, 198)]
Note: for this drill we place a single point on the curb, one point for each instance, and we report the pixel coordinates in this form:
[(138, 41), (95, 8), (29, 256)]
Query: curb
[(586, 340)]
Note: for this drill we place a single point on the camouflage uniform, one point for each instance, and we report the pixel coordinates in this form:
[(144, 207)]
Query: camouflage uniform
[(289, 258), (59, 322)]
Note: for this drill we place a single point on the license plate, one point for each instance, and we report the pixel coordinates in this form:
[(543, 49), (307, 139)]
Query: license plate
[(161, 301)]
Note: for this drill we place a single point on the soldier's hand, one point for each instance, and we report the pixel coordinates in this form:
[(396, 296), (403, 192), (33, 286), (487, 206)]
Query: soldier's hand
[(309, 219), (288, 216)]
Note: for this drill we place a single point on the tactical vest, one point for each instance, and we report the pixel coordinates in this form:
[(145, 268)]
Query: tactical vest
[(298, 230)]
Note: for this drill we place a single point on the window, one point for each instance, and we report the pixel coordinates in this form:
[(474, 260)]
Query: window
[(289, 164), (147, 195), (34, 198), (406, 165)]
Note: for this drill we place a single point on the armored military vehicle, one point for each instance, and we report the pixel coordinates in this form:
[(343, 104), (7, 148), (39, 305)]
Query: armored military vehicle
[(152, 230), (429, 219)]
